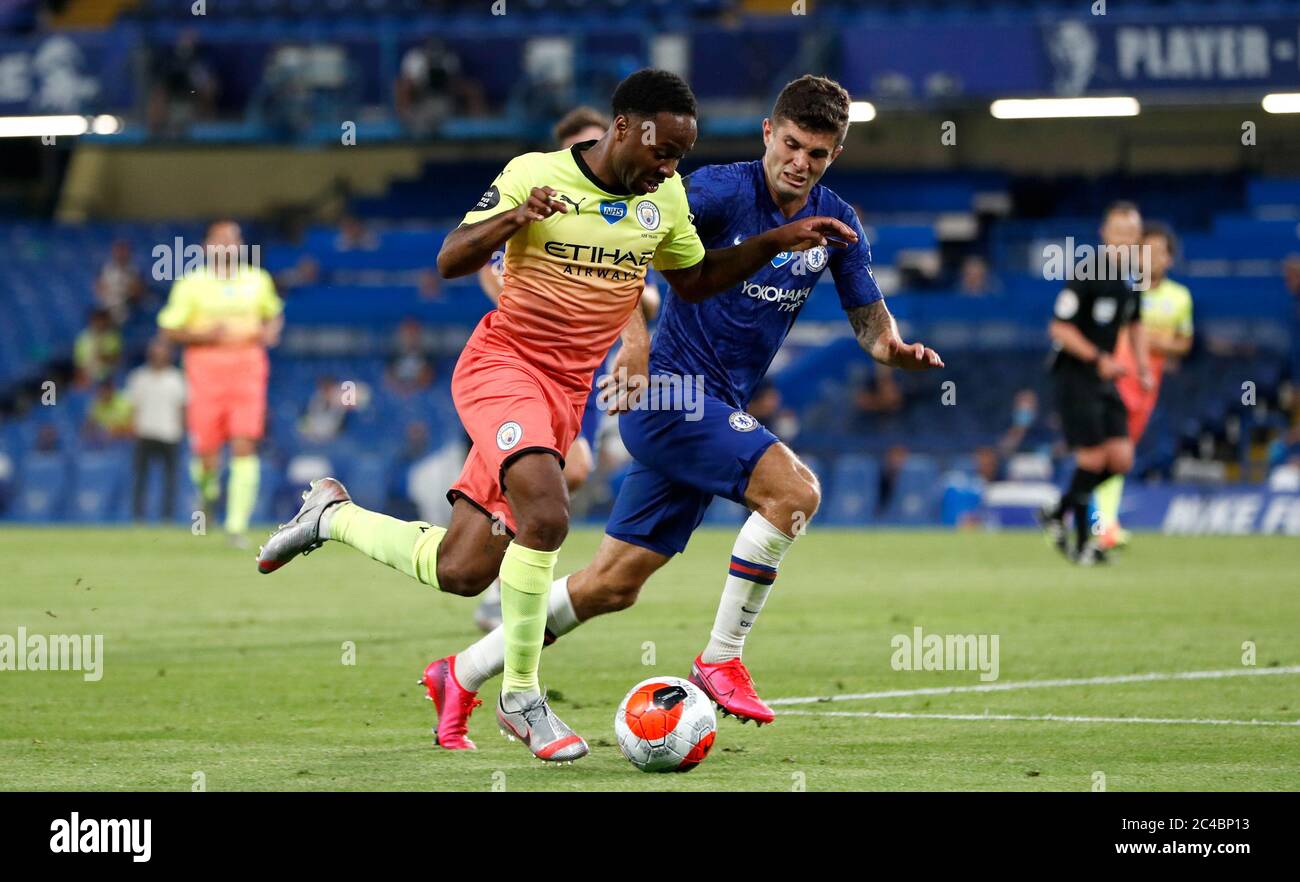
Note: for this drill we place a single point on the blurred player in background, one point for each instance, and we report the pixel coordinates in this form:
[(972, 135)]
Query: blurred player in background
[(729, 341), (582, 226), (1167, 320), (1089, 317), (576, 127), (226, 315)]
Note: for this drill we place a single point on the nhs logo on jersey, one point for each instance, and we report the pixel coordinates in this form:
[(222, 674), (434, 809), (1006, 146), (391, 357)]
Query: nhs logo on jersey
[(613, 212)]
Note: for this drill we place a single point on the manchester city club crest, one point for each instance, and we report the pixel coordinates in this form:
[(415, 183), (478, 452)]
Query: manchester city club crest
[(647, 214), (742, 422), (509, 434)]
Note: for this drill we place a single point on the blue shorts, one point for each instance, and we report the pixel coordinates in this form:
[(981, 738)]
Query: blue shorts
[(681, 464), (591, 417)]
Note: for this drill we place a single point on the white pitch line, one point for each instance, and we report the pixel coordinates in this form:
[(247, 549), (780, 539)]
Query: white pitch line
[(1047, 718), (1044, 684)]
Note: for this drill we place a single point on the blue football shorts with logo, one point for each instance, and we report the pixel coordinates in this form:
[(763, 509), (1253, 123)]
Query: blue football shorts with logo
[(682, 463)]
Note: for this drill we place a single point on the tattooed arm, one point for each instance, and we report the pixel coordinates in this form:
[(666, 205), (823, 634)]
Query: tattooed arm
[(877, 334)]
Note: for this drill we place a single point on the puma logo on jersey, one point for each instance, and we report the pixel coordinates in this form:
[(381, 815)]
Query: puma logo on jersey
[(577, 206)]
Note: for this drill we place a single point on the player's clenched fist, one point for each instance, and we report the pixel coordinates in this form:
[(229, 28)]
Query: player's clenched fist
[(810, 232), (540, 205)]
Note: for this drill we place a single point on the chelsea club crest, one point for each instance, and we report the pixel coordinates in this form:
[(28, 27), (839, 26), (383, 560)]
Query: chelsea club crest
[(742, 422)]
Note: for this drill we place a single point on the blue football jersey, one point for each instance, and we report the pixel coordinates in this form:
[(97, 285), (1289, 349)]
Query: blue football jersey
[(731, 338)]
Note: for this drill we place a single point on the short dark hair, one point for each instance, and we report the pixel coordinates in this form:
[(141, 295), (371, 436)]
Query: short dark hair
[(1164, 231), (650, 91), (818, 104), (576, 120)]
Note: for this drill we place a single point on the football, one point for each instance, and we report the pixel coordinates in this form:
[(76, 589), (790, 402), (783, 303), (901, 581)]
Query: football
[(665, 724)]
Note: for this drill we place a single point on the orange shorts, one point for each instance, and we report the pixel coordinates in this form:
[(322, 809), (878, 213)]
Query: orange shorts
[(509, 408), (1139, 402), (227, 395)]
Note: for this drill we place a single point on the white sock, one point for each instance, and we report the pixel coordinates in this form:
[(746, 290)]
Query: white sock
[(485, 659), (754, 560)]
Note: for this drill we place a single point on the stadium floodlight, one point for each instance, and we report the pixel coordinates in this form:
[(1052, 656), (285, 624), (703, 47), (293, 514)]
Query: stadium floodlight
[(1282, 102), (104, 124), (58, 126), (1059, 108), (861, 111)]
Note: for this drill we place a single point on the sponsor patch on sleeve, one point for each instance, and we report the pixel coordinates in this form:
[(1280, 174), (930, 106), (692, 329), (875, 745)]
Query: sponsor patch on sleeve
[(489, 199)]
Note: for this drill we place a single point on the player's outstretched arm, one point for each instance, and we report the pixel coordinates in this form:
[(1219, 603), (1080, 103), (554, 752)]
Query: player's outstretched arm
[(723, 267), (877, 334), (470, 246)]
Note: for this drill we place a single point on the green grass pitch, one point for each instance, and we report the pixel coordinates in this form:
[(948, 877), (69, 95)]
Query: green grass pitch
[(212, 668)]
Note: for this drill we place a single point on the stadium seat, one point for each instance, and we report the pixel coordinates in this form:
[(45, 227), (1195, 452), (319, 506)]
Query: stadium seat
[(915, 496), (43, 484), (367, 477), (854, 490), (101, 490)]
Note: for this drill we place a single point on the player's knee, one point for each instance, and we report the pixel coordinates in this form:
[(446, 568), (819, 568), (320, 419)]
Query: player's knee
[(806, 499), (464, 578), (1121, 462), (544, 526)]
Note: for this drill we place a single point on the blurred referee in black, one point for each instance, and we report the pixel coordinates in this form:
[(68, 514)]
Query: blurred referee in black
[(1088, 318)]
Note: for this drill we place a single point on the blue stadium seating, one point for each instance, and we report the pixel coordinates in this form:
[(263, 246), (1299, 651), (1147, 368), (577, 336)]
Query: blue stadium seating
[(101, 494), (43, 483), (995, 344), (854, 490), (915, 497)]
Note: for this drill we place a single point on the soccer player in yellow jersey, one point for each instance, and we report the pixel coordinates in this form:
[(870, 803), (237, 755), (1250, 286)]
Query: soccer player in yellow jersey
[(578, 125), (580, 227), (1167, 319), (226, 315)]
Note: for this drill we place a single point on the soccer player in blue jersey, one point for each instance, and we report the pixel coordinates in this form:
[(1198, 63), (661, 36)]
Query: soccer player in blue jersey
[(688, 454)]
